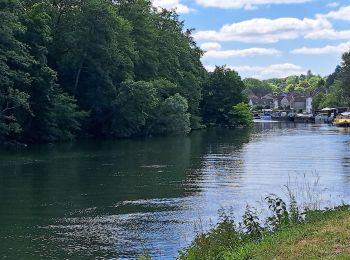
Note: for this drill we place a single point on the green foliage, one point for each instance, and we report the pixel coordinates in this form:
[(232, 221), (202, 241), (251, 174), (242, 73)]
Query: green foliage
[(15, 62), (280, 214), (337, 86), (172, 116), (13, 103), (252, 227), (303, 84), (332, 78), (323, 235), (134, 105), (28, 91), (334, 98), (221, 91), (259, 88), (147, 108), (211, 244), (252, 239), (226, 235), (344, 77), (65, 118), (240, 115), (134, 68)]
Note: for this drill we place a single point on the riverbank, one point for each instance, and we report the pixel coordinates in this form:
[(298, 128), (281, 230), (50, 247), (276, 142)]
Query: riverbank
[(320, 234)]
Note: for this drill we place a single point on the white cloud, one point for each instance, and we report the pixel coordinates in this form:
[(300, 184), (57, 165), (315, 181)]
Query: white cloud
[(263, 30), (241, 53), (333, 4), (251, 7), (328, 34), (213, 50), (209, 68), (271, 71), (329, 49), (246, 4), (210, 46), (173, 4), (342, 14)]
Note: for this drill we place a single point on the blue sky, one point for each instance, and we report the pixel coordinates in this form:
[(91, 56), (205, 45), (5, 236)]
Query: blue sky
[(268, 38)]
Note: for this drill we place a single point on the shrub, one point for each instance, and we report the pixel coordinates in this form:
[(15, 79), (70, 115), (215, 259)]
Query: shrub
[(240, 115)]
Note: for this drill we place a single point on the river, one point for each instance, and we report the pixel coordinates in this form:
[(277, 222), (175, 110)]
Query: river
[(117, 199)]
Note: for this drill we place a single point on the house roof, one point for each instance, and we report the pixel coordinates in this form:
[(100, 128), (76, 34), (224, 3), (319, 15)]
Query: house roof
[(268, 96), (299, 99)]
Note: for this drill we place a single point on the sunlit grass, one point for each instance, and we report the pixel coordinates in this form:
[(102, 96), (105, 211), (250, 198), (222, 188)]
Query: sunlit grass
[(295, 228), (325, 236)]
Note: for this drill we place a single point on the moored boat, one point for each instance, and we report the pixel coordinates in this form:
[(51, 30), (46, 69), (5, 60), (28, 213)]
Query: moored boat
[(343, 120), (266, 114)]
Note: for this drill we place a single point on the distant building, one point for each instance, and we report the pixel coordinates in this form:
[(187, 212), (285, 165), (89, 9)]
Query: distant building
[(295, 102), (309, 105), (254, 100), (299, 103), (285, 103)]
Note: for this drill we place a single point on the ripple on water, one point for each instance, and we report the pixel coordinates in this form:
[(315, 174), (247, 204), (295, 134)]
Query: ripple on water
[(137, 195)]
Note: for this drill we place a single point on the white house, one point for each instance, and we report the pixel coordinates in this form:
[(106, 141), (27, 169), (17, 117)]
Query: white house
[(309, 105)]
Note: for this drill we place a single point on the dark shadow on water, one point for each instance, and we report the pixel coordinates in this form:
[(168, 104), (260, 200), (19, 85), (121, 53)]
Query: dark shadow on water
[(110, 198)]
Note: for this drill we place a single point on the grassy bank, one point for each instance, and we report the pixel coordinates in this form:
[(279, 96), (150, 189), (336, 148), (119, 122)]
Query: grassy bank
[(287, 233), (328, 237)]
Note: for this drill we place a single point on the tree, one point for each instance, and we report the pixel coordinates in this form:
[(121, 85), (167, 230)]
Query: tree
[(93, 53), (180, 63), (134, 106), (65, 118), (240, 115), (292, 80), (144, 33), (259, 88), (222, 90), (333, 77), (43, 89), (344, 77), (15, 62), (130, 65), (172, 116), (12, 104)]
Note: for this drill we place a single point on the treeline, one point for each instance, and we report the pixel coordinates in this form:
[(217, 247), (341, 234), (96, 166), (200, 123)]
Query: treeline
[(336, 91), (106, 69), (330, 91), (308, 84)]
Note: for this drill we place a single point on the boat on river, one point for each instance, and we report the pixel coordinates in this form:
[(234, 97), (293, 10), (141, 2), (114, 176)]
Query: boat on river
[(266, 114), (304, 118), (343, 120)]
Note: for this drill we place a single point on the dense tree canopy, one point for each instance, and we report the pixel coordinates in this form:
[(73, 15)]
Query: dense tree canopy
[(101, 68), (337, 87), (344, 77), (258, 87), (222, 90), (114, 69)]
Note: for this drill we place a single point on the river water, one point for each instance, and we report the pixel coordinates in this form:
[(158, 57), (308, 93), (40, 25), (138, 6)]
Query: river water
[(117, 199)]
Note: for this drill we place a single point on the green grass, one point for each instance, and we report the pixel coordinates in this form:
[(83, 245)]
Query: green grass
[(325, 237), (320, 235)]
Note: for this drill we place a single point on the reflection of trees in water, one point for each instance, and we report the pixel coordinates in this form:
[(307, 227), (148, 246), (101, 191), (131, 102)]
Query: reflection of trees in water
[(221, 162), (86, 180), (108, 171)]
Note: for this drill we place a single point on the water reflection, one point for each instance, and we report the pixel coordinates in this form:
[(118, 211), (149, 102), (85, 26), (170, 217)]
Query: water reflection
[(113, 199)]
